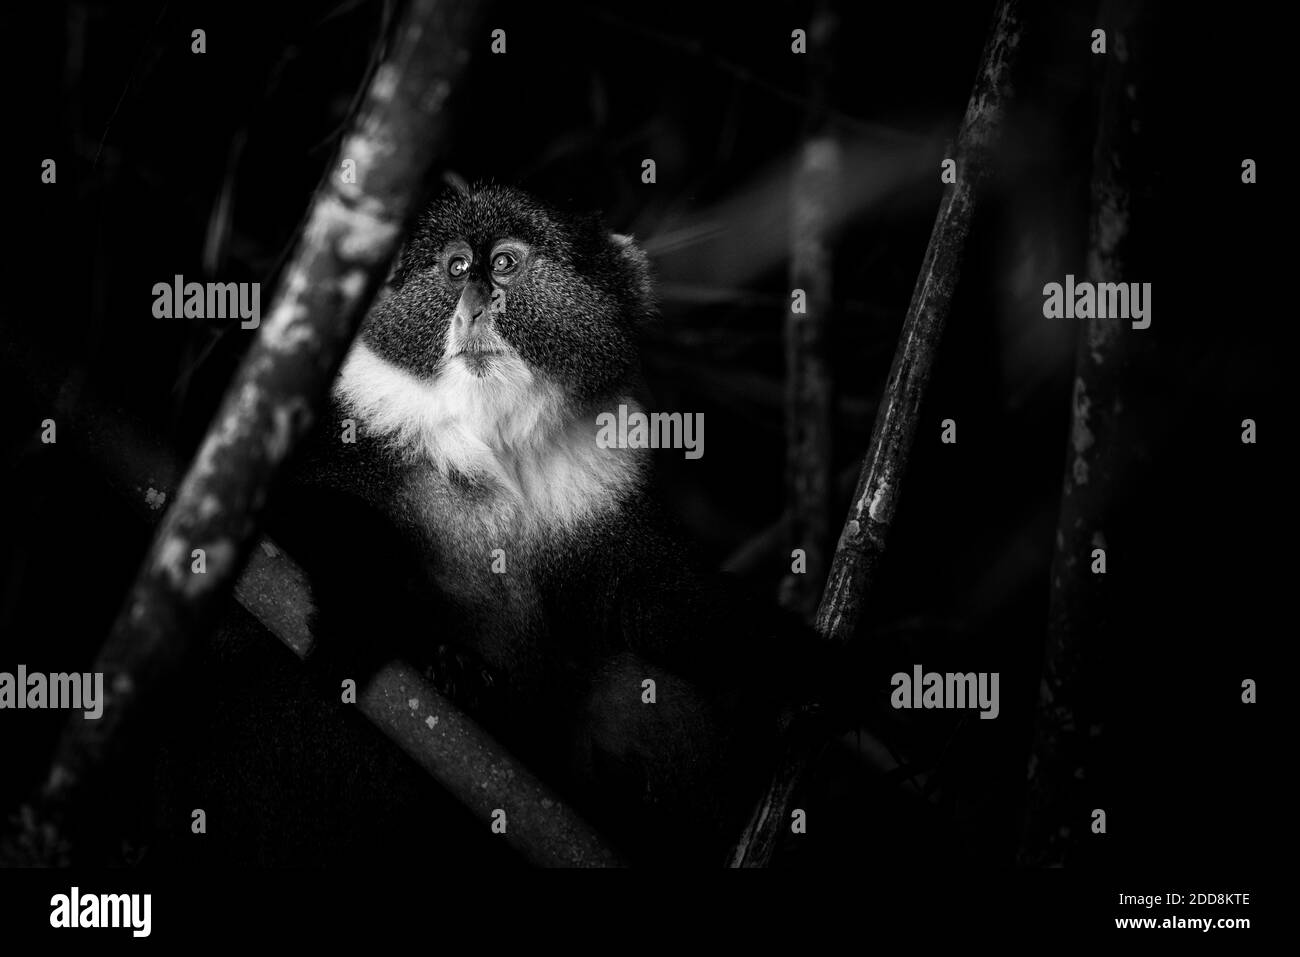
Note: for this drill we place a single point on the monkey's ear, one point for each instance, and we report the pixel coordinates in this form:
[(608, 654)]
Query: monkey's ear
[(457, 182), (637, 264), (391, 281), (408, 251)]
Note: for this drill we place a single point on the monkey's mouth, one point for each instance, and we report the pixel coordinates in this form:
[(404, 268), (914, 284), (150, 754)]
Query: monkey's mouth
[(478, 361)]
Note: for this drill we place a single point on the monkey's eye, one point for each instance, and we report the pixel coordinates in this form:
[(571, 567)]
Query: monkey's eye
[(504, 263), (458, 266)]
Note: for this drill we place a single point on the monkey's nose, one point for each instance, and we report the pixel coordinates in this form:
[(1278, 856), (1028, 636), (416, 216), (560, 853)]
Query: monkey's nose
[(467, 321), (471, 309)]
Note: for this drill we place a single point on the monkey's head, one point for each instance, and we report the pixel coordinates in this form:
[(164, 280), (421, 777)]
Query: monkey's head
[(492, 280)]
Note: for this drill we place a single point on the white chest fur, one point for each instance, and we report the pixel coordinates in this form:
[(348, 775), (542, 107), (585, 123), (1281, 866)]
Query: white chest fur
[(509, 429)]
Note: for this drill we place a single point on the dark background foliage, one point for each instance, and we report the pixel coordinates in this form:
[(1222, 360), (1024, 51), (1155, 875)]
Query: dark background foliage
[(171, 163)]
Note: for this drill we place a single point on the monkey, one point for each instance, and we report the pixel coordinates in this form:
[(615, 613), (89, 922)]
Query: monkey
[(535, 575)]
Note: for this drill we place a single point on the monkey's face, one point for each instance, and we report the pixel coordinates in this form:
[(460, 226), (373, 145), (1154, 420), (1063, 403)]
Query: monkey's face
[(493, 286)]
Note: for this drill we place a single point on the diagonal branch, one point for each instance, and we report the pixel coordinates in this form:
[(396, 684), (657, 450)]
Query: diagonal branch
[(461, 756), (862, 542), (351, 235)]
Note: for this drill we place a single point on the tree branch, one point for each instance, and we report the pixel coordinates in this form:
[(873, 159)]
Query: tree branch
[(449, 745), (351, 235), (862, 542), (809, 382), (1055, 813)]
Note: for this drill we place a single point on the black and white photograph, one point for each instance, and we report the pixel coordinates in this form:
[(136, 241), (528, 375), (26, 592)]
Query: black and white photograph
[(449, 440)]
